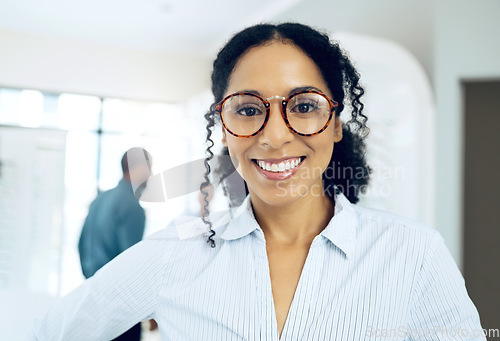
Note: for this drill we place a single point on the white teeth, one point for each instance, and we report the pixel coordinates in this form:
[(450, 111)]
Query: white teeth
[(280, 167)]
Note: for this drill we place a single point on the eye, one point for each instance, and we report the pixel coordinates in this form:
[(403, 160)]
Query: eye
[(304, 107), (249, 110)]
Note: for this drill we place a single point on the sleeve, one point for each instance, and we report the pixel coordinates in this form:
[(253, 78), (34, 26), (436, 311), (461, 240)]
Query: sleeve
[(83, 242), (441, 307), (121, 294), (82, 247), (130, 229)]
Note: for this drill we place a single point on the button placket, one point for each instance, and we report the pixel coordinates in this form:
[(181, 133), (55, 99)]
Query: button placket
[(266, 313), (306, 288)]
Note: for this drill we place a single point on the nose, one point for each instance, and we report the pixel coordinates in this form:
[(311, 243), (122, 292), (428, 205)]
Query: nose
[(275, 133)]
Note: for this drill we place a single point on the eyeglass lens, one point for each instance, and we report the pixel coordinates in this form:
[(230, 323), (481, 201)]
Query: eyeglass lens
[(307, 113)]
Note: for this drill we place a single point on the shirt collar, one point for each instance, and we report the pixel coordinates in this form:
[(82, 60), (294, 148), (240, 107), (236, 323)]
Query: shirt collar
[(242, 223), (340, 231), (126, 184)]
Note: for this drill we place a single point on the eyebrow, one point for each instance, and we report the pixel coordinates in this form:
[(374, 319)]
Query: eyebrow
[(290, 93), (303, 88)]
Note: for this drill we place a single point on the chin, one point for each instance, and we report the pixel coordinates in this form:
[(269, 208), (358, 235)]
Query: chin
[(279, 195)]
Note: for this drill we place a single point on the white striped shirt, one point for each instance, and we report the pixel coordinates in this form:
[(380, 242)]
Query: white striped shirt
[(369, 275)]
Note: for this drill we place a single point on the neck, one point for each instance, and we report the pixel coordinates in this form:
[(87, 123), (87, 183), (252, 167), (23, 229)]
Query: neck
[(296, 223)]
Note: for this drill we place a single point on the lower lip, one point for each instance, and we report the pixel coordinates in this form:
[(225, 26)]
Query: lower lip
[(278, 176)]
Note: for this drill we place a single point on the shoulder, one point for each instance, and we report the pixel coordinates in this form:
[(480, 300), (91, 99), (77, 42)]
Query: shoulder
[(394, 238), (109, 196), (181, 249), (370, 218), (186, 231)]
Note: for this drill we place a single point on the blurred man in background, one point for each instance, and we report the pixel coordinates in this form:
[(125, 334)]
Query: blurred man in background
[(116, 221)]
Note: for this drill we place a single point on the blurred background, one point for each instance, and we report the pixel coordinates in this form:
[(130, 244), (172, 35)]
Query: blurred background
[(83, 81)]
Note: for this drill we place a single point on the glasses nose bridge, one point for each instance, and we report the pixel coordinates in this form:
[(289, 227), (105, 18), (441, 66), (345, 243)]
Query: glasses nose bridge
[(275, 97), (282, 103), (280, 120)]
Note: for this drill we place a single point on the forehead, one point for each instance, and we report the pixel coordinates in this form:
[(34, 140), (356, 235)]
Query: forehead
[(275, 69)]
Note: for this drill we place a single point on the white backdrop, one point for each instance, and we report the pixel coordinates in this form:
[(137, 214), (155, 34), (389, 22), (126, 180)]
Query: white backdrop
[(401, 117), (31, 205)]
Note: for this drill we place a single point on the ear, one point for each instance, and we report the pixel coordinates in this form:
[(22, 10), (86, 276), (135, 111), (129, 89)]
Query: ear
[(224, 142), (337, 130)]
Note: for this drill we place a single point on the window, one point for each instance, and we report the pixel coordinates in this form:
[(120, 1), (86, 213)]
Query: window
[(98, 132)]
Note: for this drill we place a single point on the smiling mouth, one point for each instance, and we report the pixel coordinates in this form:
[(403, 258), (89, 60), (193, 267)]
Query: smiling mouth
[(279, 166)]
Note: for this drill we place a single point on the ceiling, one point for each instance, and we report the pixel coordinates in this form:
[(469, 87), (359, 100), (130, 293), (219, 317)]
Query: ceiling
[(187, 26)]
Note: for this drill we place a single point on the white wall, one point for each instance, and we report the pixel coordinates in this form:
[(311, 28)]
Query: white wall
[(67, 65), (407, 22), (400, 105), (467, 46)]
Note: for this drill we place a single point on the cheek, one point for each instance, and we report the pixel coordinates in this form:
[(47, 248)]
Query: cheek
[(327, 155), (237, 148), (236, 163), (325, 143), (324, 150)]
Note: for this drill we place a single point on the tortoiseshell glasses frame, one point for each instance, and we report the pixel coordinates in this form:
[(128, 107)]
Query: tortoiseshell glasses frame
[(284, 101)]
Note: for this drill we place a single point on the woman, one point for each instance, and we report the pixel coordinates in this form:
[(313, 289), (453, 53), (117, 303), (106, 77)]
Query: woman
[(298, 260)]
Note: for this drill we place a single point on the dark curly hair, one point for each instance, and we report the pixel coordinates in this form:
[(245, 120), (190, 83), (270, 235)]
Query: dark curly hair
[(348, 171)]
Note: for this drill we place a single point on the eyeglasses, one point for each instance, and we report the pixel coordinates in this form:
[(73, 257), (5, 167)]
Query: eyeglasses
[(306, 113)]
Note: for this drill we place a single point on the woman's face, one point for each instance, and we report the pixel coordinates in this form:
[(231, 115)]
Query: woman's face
[(270, 70)]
